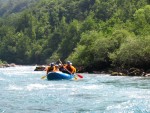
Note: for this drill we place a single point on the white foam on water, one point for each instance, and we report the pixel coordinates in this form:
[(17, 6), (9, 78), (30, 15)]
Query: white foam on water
[(58, 86), (121, 107), (91, 87), (2, 79), (134, 101), (31, 87), (138, 94), (37, 86), (130, 106), (15, 87), (93, 93)]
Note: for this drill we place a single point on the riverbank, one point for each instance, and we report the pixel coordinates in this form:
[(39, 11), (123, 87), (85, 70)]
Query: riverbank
[(7, 65), (112, 71)]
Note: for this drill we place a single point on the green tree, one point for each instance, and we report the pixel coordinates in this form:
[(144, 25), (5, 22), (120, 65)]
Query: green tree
[(84, 53), (142, 21)]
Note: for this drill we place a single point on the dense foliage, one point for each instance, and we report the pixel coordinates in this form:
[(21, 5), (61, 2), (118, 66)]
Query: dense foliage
[(101, 33)]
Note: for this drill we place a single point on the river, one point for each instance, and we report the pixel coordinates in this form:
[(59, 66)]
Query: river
[(23, 91)]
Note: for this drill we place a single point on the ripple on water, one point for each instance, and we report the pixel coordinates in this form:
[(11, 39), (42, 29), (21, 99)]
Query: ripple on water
[(23, 91)]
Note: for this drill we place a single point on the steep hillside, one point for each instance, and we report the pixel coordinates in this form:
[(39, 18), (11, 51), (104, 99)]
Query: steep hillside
[(8, 7), (97, 33)]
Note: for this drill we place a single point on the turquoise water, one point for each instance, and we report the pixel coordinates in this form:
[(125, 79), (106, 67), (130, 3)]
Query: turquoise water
[(23, 91)]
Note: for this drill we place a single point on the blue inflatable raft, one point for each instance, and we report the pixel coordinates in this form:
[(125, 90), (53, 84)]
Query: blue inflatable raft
[(59, 76)]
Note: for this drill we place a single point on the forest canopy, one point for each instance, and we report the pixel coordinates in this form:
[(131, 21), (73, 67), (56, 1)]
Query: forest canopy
[(101, 33)]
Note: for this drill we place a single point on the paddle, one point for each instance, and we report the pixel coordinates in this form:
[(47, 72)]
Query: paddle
[(43, 77), (80, 76)]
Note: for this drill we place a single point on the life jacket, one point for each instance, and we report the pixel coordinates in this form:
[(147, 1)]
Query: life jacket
[(50, 69), (56, 68), (71, 69)]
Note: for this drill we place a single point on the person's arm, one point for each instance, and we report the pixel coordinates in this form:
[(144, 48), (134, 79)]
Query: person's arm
[(47, 70), (73, 70)]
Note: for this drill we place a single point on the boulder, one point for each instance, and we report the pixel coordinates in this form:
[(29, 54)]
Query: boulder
[(39, 68)]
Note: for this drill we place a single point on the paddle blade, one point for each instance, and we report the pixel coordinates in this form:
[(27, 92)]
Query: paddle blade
[(43, 77), (80, 76), (75, 78)]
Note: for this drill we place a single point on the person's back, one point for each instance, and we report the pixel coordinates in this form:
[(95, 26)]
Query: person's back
[(50, 68), (62, 69), (56, 68), (70, 68)]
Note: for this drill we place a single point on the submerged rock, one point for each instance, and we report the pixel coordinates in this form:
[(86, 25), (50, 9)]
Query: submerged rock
[(39, 68), (135, 72), (7, 65), (117, 74)]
